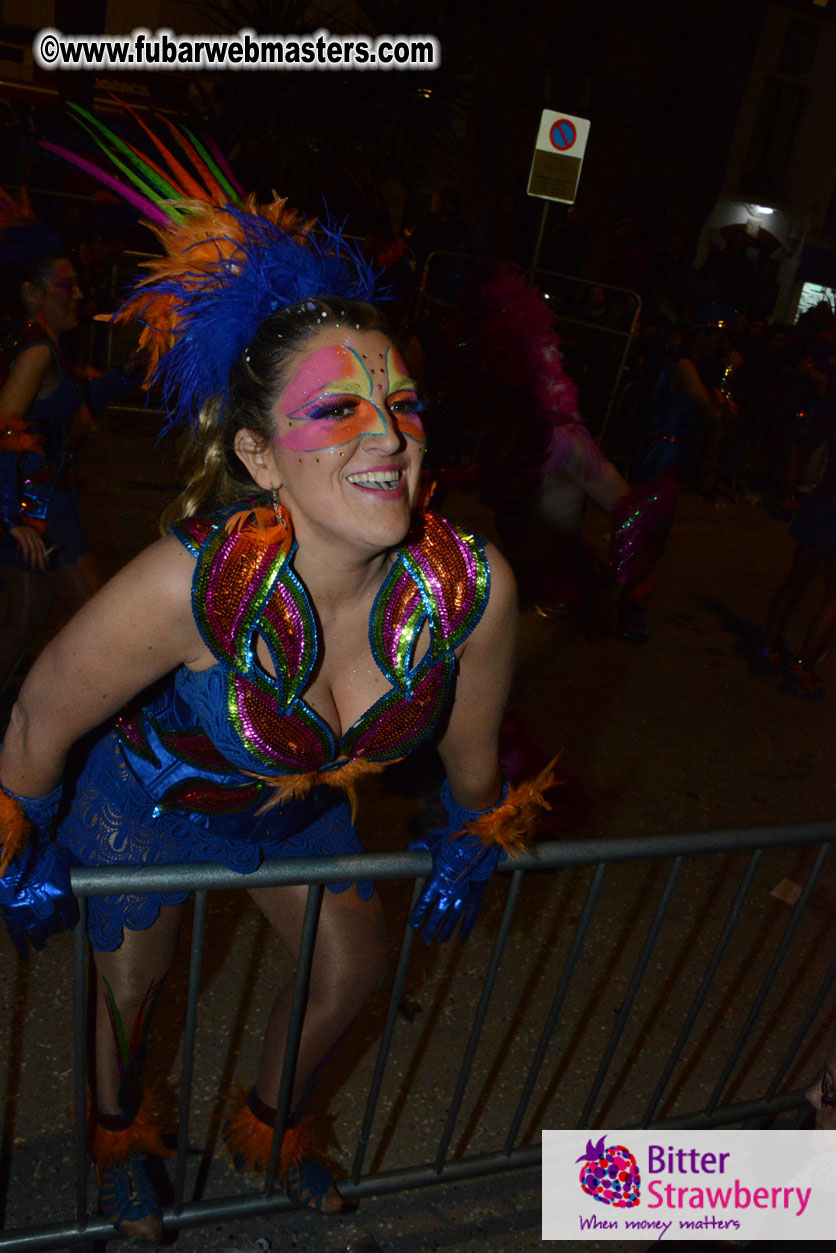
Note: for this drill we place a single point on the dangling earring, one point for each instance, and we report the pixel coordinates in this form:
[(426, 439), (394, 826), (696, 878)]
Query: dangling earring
[(279, 511)]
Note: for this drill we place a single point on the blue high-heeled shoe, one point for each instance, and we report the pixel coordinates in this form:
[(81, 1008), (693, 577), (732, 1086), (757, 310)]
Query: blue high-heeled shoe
[(129, 1201)]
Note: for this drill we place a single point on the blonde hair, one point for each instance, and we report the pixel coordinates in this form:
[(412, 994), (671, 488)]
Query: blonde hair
[(214, 475)]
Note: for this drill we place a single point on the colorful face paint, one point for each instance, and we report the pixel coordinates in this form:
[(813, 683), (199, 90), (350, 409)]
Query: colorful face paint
[(338, 395)]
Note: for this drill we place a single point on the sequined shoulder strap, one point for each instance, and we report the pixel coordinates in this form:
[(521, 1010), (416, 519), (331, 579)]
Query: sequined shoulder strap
[(243, 588), (192, 532), (441, 577)]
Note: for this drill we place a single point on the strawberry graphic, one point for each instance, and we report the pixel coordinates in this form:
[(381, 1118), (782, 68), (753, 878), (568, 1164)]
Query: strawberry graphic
[(610, 1175)]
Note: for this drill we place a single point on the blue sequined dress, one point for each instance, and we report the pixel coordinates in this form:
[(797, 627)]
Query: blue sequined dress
[(184, 776)]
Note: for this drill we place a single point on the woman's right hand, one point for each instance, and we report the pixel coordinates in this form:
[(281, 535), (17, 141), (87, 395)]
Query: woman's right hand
[(32, 548)]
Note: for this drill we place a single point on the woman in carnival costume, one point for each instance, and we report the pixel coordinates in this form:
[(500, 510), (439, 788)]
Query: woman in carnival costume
[(309, 622), (43, 550), (540, 466)]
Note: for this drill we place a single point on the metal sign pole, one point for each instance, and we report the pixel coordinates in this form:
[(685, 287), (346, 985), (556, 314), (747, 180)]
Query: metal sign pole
[(539, 244)]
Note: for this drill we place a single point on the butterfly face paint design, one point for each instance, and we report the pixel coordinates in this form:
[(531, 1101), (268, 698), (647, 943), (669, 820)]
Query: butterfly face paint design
[(338, 395)]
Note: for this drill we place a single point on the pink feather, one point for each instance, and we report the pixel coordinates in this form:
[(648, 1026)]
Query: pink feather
[(145, 206), (223, 164)]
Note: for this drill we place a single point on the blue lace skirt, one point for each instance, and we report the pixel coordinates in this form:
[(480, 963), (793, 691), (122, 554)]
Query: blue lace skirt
[(112, 822)]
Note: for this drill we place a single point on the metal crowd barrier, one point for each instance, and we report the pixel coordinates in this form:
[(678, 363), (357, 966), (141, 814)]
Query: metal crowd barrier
[(598, 861), (596, 339)]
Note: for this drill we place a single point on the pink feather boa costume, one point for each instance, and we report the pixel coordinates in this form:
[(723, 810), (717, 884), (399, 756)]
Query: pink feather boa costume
[(515, 336)]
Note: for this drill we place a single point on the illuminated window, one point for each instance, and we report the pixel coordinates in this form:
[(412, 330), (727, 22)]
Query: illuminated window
[(813, 294)]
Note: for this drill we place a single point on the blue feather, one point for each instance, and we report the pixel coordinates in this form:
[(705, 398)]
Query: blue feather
[(220, 308)]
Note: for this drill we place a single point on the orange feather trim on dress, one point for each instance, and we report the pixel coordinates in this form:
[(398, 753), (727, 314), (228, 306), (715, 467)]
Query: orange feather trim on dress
[(293, 787)]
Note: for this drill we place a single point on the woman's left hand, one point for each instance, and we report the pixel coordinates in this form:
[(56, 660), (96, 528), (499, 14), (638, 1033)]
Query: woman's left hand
[(31, 546), (462, 864), (35, 895)]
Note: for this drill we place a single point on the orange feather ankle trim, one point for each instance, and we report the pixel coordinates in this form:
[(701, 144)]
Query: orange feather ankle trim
[(249, 1139), (14, 830), (509, 824), (113, 1148)]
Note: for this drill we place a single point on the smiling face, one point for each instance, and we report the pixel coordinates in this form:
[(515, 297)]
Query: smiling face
[(55, 301), (348, 441)]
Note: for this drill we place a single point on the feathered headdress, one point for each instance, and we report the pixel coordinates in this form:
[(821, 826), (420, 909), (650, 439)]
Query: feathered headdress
[(228, 261)]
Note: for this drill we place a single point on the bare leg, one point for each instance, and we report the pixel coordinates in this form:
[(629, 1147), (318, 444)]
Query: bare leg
[(805, 566), (823, 624), (29, 606), (349, 962), (31, 596), (127, 984), (126, 980)]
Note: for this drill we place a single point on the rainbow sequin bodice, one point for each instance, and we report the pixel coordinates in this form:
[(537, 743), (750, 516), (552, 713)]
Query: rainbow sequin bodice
[(244, 718)]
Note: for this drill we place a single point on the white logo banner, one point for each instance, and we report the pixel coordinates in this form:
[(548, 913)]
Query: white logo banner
[(689, 1185)]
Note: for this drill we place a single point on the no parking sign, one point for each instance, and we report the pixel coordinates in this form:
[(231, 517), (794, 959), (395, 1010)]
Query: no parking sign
[(558, 156)]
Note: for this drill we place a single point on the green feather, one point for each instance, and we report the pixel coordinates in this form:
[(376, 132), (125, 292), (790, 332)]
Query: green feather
[(107, 140), (234, 198), (116, 1023)]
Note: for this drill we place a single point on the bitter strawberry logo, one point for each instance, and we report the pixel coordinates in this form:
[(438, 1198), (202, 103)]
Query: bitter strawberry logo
[(610, 1175)]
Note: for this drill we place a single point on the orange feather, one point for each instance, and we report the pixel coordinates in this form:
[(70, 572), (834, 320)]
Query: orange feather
[(291, 787), (213, 187), (113, 1148), (14, 829), (193, 250), (188, 185), (510, 823), (250, 1139)]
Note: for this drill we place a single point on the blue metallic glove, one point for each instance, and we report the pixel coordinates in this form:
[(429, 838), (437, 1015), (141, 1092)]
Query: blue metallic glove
[(461, 866), (35, 894)]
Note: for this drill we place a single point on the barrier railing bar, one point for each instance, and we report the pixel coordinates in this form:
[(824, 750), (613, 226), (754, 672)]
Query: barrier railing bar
[(743, 1111), (317, 871), (771, 975), (386, 1040), (255, 1205), (80, 1061), (187, 1073), (488, 986), (632, 991), (294, 1030), (556, 1005), (101, 880), (457, 1168), (707, 979), (826, 988)]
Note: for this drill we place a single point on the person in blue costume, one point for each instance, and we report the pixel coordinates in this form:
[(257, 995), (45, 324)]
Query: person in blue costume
[(305, 622), (814, 559), (690, 409), (44, 554)]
